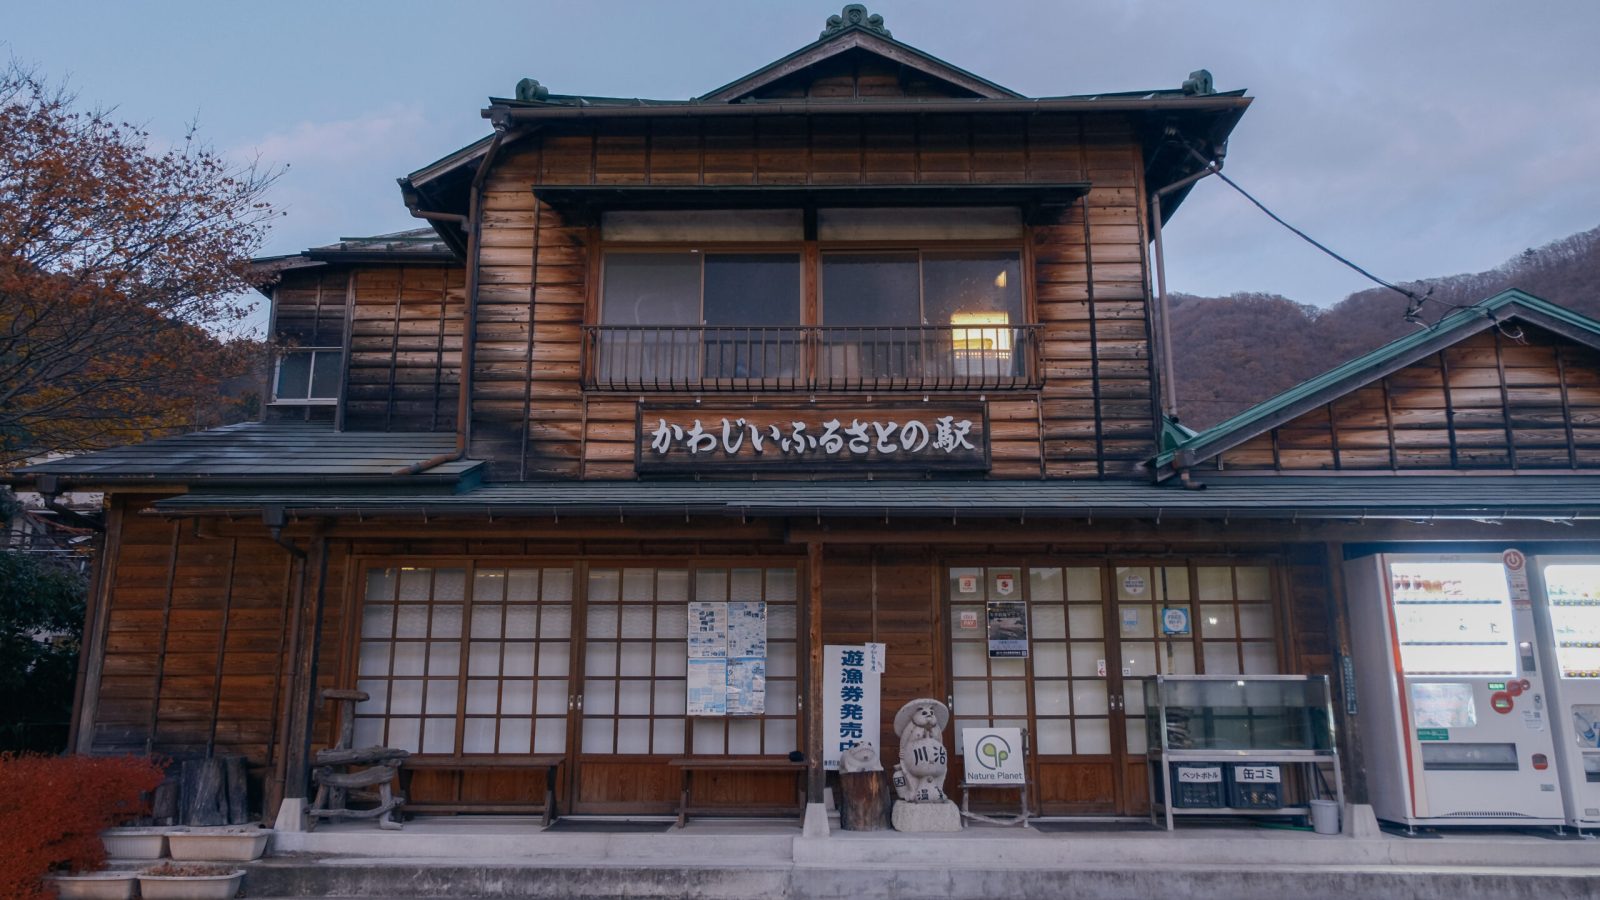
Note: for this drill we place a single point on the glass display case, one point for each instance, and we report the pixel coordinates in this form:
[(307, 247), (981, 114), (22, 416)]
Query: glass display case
[(1250, 727)]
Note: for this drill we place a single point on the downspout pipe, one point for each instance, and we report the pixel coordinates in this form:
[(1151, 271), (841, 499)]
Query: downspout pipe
[(1169, 390), (273, 518)]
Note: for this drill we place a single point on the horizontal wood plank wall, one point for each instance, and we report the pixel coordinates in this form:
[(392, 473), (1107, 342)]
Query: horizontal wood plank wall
[(857, 74), (405, 348), (533, 418), (1489, 402)]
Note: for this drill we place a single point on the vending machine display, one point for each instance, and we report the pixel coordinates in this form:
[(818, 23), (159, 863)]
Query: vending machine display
[(1571, 589), (1458, 732)]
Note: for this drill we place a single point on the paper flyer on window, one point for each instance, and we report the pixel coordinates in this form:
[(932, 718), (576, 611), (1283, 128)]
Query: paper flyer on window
[(708, 687), (708, 630), (747, 686), (747, 629)]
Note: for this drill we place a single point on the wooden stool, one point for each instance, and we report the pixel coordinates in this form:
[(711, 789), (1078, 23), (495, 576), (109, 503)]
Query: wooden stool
[(334, 788)]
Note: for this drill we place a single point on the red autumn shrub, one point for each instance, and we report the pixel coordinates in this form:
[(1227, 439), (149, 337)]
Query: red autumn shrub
[(53, 808)]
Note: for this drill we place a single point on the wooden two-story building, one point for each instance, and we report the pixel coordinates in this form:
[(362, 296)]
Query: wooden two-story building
[(861, 336)]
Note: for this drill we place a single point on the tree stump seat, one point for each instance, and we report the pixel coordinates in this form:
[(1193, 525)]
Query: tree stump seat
[(335, 789)]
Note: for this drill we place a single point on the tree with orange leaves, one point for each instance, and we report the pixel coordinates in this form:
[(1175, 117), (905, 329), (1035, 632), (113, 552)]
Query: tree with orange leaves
[(119, 264)]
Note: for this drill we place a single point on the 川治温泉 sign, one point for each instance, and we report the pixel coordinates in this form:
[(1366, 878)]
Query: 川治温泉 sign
[(909, 437)]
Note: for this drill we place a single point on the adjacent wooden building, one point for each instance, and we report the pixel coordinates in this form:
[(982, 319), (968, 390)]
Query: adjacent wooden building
[(860, 336)]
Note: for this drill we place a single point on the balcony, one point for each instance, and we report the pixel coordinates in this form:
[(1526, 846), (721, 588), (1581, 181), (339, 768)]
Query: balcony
[(741, 359)]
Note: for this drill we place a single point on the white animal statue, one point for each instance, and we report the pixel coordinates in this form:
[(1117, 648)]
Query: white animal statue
[(919, 778), (860, 758)]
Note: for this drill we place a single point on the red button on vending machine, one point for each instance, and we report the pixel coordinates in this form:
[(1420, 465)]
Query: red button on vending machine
[(1541, 762), (1514, 688), (1500, 701)]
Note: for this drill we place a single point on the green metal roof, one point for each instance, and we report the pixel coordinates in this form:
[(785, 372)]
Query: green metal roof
[(1367, 368), (1552, 497)]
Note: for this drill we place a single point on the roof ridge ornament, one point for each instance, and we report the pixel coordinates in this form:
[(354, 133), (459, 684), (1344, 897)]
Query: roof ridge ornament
[(529, 89), (1199, 84), (854, 16)]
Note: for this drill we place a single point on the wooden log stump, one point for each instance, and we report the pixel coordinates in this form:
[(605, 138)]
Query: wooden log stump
[(865, 800), (204, 792), (238, 789)]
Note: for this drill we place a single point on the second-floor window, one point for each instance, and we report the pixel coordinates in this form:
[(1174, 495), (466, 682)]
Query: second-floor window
[(307, 375)]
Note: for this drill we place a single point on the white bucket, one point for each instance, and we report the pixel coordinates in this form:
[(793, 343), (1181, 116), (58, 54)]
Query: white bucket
[(1325, 817)]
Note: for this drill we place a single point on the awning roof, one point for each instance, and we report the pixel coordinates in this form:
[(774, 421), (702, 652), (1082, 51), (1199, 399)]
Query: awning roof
[(1444, 497)]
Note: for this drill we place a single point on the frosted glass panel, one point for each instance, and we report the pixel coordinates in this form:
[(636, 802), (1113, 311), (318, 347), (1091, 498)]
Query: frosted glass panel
[(369, 733), (556, 586), (483, 659), (514, 735), (1049, 660), (746, 584), (1010, 698), (442, 697), (439, 736), (781, 736), (554, 658), (780, 698), (1133, 699), (781, 622), (406, 734), (518, 661), (1089, 698), (1135, 620), (414, 584), (409, 659), (1216, 583), (1086, 621), (1260, 659), (711, 585), (1050, 698), (1083, 586), (1140, 657), (522, 585), (478, 736), (555, 622), (638, 584), (600, 659), (1254, 582), (672, 622), (672, 586), (380, 584), (668, 736), (781, 586), (405, 696), (552, 696), (1217, 621), (444, 659), (597, 735), (1049, 622), (550, 736), (636, 621), (1094, 736), (636, 658), (482, 696), (516, 698), (744, 736), (708, 736), (1222, 658), (377, 698), (1255, 620), (488, 586), (1175, 584), (602, 622), (634, 698), (1086, 657), (1181, 660), (671, 698), (599, 697), (1045, 586), (486, 621), (450, 585), (672, 660), (377, 621), (972, 698), (633, 735), (969, 660), (374, 659), (1054, 737), (413, 622), (522, 622), (605, 585), (447, 621), (780, 660), (1136, 736)]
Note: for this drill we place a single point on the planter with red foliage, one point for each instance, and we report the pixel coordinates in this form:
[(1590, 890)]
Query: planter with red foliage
[(53, 808)]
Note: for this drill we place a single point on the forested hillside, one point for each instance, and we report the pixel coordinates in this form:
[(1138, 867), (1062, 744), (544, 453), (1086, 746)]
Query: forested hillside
[(1231, 352)]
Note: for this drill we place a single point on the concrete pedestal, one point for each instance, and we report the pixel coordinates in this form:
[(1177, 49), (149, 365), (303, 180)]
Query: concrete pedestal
[(291, 815), (942, 816), (816, 821)]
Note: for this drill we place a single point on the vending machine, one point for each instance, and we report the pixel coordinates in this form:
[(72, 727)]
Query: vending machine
[(1454, 705), (1569, 622)]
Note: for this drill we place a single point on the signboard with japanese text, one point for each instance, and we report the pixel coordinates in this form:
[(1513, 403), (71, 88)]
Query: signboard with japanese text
[(992, 756), (850, 707), (691, 438), (1008, 628)]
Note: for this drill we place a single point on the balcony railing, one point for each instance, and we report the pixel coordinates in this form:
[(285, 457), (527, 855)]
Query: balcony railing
[(706, 358)]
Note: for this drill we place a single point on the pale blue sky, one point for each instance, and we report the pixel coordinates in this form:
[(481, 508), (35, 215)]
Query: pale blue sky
[(1424, 137)]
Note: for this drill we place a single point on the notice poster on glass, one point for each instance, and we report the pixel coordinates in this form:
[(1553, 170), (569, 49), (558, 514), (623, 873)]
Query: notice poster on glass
[(1008, 629), (708, 687), (708, 630), (850, 701), (747, 629), (747, 686)]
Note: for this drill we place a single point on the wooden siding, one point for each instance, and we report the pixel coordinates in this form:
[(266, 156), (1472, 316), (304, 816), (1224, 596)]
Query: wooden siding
[(406, 329), (310, 308), (858, 74), (533, 418), (1489, 402)]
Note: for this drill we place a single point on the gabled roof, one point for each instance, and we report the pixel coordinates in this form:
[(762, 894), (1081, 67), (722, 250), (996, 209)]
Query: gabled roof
[(1512, 305), (855, 29)]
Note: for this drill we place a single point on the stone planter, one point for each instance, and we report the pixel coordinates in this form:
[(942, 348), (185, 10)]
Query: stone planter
[(135, 843), (190, 887), (232, 844), (94, 885)]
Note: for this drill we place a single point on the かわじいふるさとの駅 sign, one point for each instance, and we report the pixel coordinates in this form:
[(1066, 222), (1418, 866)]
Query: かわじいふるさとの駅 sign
[(910, 437)]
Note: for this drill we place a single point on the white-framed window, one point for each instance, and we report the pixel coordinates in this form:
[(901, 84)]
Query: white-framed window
[(307, 375)]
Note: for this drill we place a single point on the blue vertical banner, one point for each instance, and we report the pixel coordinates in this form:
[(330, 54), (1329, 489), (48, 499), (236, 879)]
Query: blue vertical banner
[(851, 701)]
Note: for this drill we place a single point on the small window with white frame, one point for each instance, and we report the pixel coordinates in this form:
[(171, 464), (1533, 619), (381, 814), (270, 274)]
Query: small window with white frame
[(307, 375)]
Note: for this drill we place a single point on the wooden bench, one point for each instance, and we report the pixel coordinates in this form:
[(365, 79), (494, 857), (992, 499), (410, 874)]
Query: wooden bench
[(688, 766), (548, 762)]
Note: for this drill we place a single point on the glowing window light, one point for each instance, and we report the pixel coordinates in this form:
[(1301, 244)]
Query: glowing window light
[(980, 331)]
